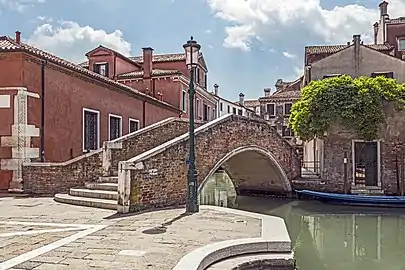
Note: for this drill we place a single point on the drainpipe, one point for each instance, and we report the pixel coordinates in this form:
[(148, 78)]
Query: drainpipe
[(144, 113), (43, 110)]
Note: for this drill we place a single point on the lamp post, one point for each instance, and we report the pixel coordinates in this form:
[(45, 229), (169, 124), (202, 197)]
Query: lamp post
[(192, 49)]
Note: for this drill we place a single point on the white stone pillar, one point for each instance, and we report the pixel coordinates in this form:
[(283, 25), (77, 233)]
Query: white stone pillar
[(124, 188)]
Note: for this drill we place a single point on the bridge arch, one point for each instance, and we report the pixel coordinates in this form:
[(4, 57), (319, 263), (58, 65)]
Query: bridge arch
[(158, 177), (267, 168)]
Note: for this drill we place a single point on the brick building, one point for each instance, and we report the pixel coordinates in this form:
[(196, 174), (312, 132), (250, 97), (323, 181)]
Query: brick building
[(163, 76), (371, 165), (275, 107), (64, 109), (390, 31)]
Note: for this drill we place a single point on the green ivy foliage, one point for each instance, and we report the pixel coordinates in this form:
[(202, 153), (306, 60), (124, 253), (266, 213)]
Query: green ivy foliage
[(356, 104)]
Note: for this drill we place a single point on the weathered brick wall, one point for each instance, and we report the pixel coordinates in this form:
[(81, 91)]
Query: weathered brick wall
[(142, 141), (52, 178), (169, 185), (339, 141)]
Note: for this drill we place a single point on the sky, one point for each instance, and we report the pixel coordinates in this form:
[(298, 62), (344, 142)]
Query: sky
[(247, 44)]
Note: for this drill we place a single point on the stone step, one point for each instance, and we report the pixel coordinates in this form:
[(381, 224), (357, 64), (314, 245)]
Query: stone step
[(89, 202), (108, 179), (94, 193), (102, 186), (280, 261)]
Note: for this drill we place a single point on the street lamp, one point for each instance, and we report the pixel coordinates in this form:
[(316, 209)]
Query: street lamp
[(192, 49)]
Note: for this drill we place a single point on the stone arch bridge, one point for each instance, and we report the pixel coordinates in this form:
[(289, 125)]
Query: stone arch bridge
[(254, 155)]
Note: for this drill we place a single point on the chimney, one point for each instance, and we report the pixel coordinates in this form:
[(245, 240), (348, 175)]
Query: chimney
[(356, 42), (375, 32), (267, 92), (242, 99), (383, 8), (147, 62), (216, 86), (18, 37)]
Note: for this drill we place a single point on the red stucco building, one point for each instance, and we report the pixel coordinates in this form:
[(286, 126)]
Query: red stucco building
[(163, 76), (54, 110)]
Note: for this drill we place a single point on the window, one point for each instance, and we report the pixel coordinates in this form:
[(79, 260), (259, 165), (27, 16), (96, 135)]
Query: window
[(287, 132), (229, 109), (221, 106), (287, 108), (271, 110), (197, 108), (384, 74), (184, 101), (206, 113), (91, 130), (213, 114), (133, 125), (234, 110), (205, 80), (331, 75), (240, 112), (114, 127), (101, 68), (197, 75), (401, 45)]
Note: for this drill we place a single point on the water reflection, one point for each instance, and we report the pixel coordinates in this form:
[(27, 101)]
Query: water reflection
[(218, 190), (338, 237)]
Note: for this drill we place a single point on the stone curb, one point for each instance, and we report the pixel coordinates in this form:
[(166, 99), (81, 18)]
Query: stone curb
[(274, 239)]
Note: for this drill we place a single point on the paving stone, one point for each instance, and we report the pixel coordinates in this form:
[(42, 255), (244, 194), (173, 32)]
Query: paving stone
[(28, 265), (45, 259), (48, 266), (100, 250)]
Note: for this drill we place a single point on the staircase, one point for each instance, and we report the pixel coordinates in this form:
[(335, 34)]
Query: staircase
[(100, 194)]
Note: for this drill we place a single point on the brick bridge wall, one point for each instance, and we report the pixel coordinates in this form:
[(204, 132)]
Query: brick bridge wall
[(159, 178), (52, 178)]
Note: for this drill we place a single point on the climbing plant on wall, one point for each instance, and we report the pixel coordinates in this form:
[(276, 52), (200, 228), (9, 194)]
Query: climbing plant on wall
[(356, 104)]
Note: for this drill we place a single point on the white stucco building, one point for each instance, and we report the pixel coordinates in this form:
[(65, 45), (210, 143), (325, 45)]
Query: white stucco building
[(225, 106)]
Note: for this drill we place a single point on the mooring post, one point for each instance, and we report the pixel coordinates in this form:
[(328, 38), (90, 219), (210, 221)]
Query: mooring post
[(397, 174), (402, 173), (345, 184)]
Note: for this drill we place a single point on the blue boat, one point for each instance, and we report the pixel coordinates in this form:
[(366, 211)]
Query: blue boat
[(361, 200)]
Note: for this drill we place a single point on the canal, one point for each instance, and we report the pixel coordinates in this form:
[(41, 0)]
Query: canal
[(326, 236)]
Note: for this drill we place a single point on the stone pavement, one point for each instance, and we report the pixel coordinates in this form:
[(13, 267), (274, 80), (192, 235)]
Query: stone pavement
[(38, 233)]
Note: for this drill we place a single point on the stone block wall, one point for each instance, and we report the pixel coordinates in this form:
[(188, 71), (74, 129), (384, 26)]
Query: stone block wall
[(52, 178)]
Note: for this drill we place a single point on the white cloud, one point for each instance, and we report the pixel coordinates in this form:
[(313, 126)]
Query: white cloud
[(71, 41), (19, 5), (254, 19), (208, 31), (289, 55)]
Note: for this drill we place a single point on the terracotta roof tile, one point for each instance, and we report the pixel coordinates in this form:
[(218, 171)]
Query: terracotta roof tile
[(287, 90), (155, 72), (252, 103), (396, 20), (170, 57), (330, 49), (8, 44)]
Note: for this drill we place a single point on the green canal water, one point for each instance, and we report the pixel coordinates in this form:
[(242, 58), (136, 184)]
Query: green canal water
[(338, 237), (325, 236)]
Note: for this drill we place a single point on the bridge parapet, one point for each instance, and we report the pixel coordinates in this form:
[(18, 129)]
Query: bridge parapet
[(158, 177)]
